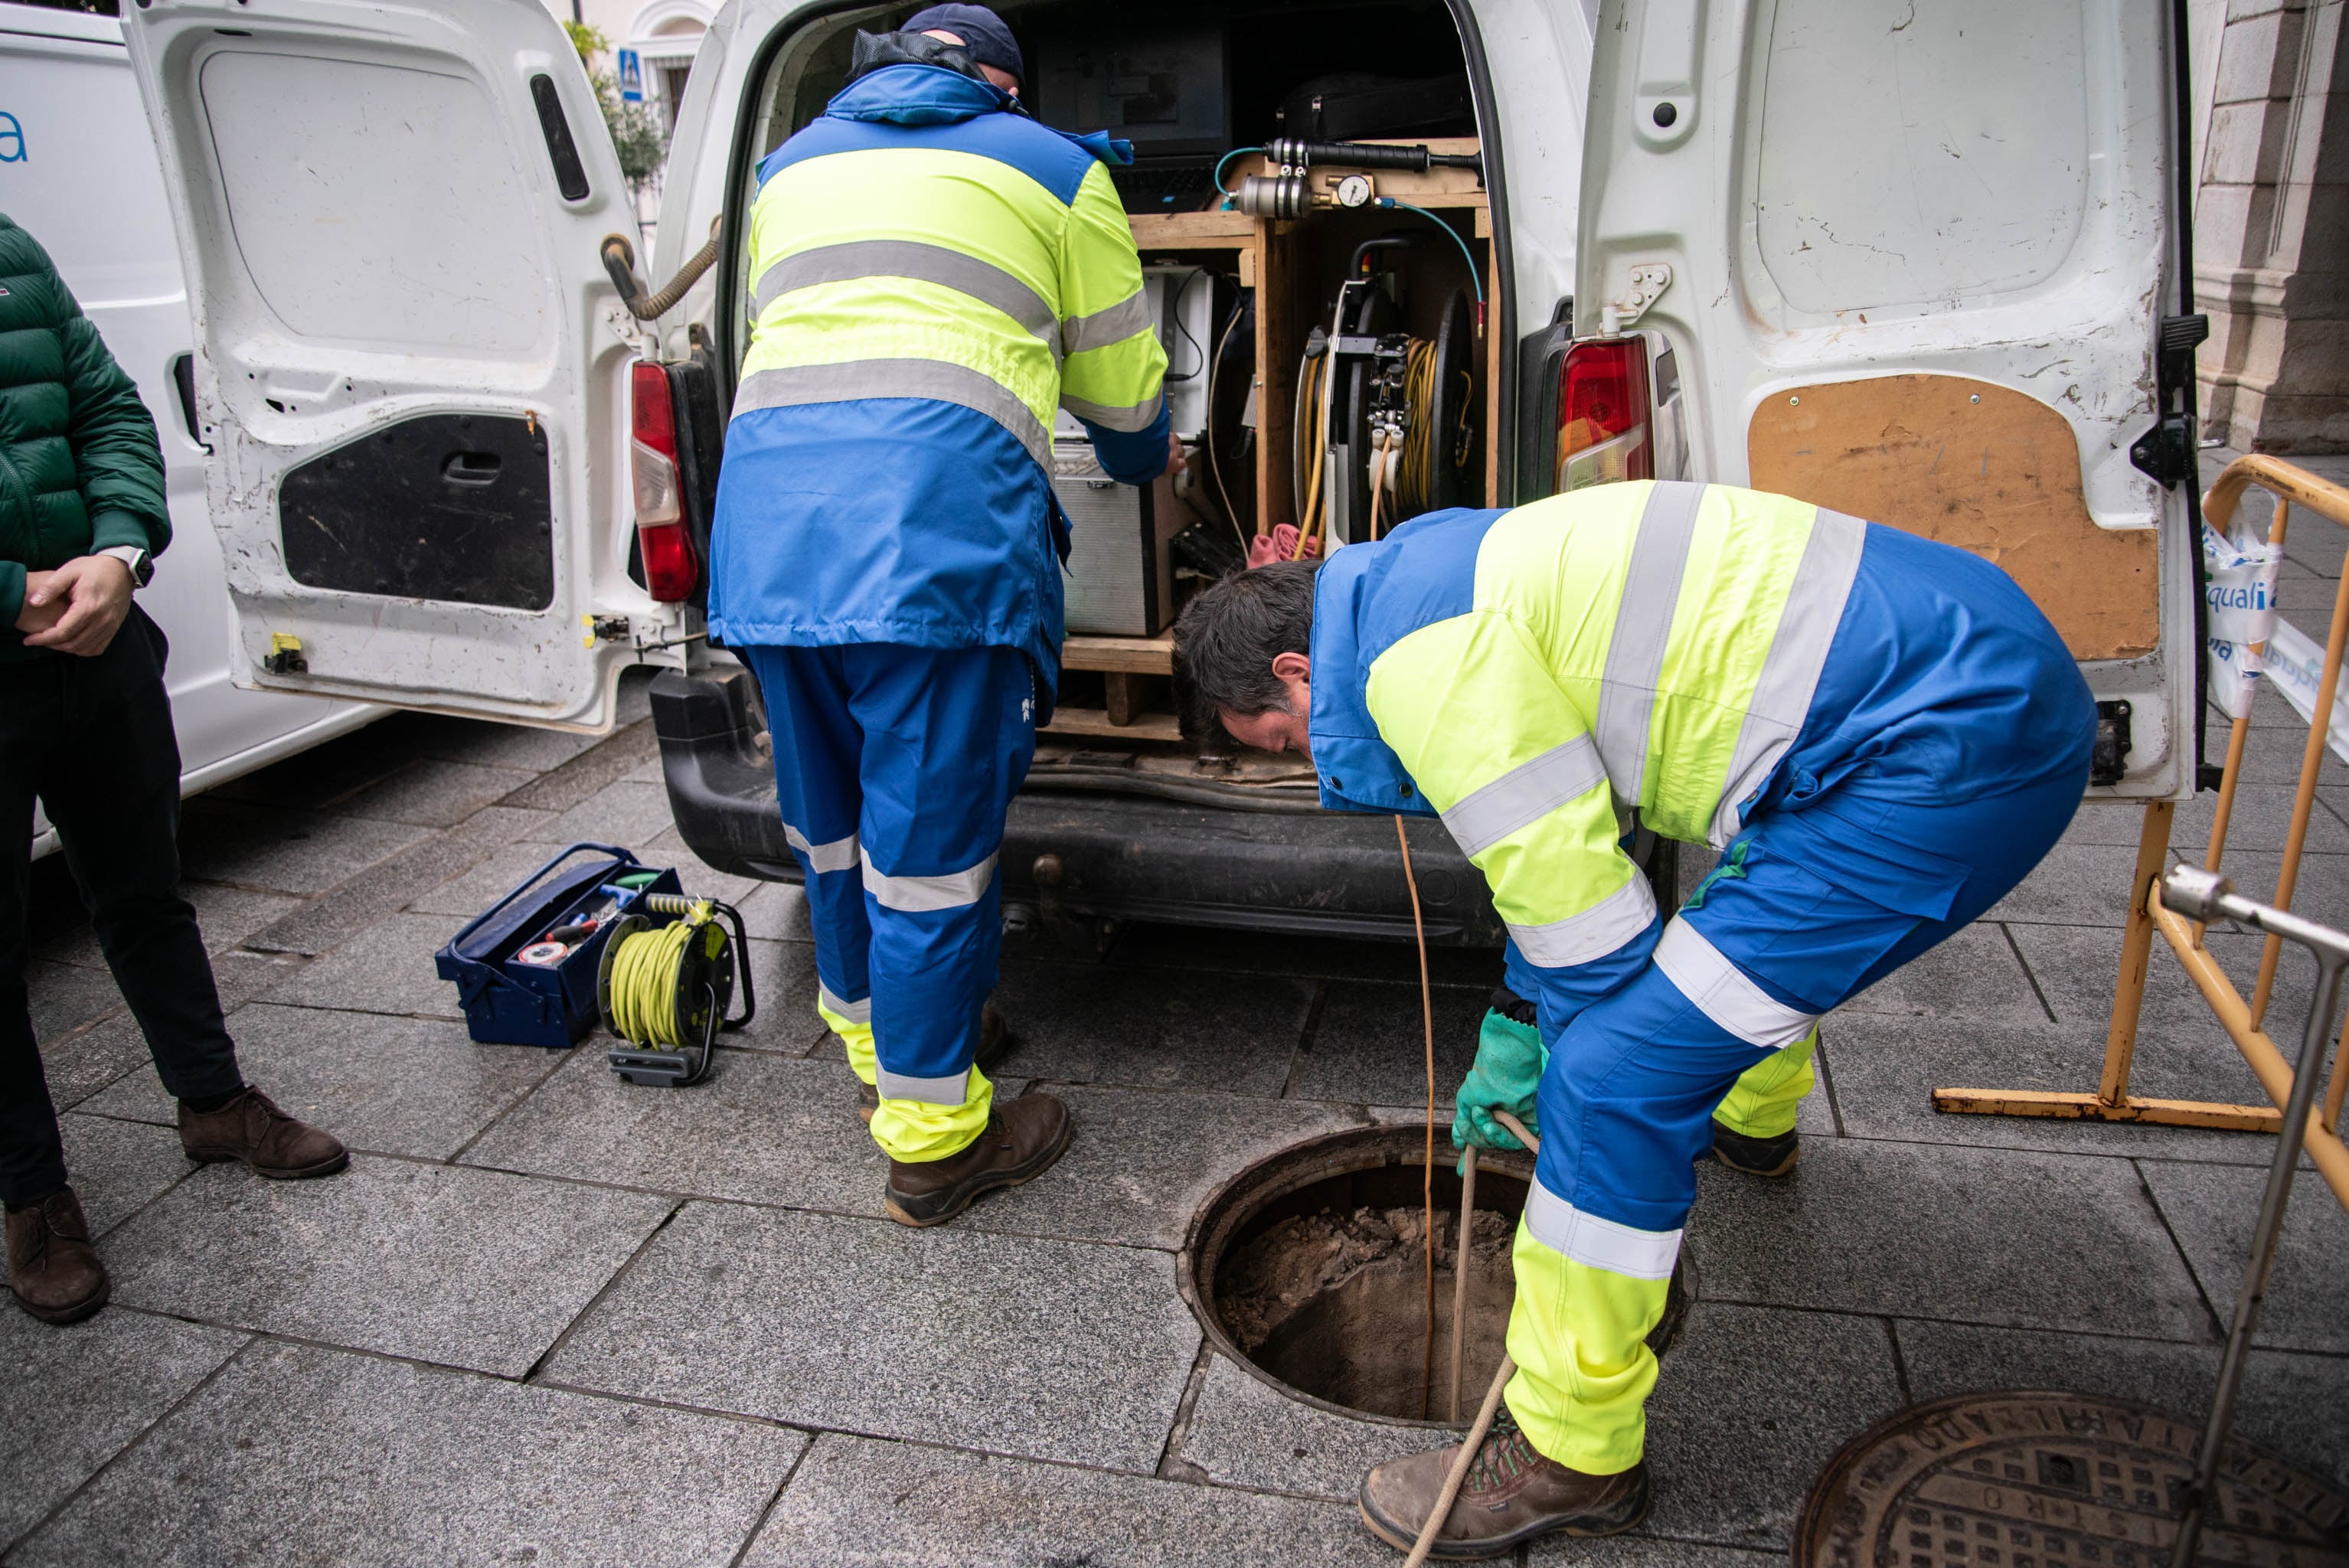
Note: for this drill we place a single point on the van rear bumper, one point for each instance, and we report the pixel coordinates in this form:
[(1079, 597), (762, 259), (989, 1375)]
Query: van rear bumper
[(1097, 855)]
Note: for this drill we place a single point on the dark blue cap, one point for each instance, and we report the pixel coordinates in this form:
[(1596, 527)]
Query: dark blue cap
[(984, 36)]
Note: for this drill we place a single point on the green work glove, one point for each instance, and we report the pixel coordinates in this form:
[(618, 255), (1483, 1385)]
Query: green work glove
[(1508, 1074)]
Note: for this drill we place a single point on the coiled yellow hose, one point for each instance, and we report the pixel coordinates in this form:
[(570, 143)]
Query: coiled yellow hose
[(645, 981)]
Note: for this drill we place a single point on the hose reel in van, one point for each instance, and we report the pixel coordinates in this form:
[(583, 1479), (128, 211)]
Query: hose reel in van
[(1385, 419)]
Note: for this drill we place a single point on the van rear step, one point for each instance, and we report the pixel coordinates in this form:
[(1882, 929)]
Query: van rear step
[(1102, 856)]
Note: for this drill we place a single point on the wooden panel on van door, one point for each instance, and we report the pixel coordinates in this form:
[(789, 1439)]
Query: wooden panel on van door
[(1973, 464)]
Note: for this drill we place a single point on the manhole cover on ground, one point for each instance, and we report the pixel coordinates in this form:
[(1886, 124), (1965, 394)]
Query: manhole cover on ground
[(2033, 1480), (1308, 1269)]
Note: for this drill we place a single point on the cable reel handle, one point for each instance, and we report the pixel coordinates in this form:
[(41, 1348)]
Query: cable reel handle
[(680, 906)]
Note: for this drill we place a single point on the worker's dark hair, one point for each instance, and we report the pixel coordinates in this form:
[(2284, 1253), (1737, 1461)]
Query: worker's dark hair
[(1227, 637)]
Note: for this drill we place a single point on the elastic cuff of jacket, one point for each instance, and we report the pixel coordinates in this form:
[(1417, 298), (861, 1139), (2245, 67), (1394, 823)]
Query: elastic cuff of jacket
[(1133, 457), (108, 529), (12, 593)]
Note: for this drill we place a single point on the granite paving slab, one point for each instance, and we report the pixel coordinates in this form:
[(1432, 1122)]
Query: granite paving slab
[(668, 848), (1143, 1161), (225, 916), (322, 775), (66, 996), (2079, 969), (784, 977), (759, 1129), (629, 815), (298, 1455), (2322, 891), (386, 968), (2262, 815), (496, 745), (71, 1397), (1163, 1028), (434, 793), (1244, 1432), (1886, 1070), (240, 974), (469, 1268), (326, 923), (391, 1085), (2078, 884), (81, 1064), (1046, 1349), (1984, 1235), (283, 850), (2212, 1211), (857, 1503), (2296, 1406), (1974, 974), (778, 911), (118, 1167), (605, 762), (1368, 1046), (476, 887), (1749, 1405)]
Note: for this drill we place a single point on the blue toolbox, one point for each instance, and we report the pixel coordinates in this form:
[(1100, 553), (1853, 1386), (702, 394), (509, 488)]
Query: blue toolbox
[(542, 964)]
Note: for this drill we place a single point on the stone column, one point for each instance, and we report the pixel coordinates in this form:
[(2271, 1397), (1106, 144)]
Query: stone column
[(2271, 267)]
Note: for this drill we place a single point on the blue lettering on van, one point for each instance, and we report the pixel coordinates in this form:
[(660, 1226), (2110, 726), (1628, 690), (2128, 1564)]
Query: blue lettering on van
[(11, 138)]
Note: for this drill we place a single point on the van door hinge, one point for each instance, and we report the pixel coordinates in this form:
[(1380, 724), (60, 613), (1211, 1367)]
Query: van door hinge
[(1649, 282), (2167, 452), (2108, 760), (286, 655)]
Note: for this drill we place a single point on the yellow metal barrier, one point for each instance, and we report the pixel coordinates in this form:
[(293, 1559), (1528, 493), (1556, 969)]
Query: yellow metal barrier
[(2243, 1021)]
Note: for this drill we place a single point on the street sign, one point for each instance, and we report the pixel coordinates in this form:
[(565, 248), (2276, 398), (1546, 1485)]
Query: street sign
[(632, 77)]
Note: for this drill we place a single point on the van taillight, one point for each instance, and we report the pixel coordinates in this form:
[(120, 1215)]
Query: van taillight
[(670, 569), (1603, 429)]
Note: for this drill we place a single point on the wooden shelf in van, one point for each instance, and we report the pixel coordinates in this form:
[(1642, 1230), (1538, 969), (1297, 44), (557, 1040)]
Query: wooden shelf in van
[(1193, 230), (1095, 722), (1120, 655)]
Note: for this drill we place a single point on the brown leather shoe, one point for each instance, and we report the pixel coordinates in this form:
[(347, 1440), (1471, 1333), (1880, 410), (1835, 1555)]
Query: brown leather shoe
[(252, 1129), (52, 1267), (1023, 1137), (1511, 1495), (994, 1040)]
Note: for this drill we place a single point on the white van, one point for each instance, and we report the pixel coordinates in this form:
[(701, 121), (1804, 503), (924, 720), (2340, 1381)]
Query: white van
[(78, 171), (1911, 262)]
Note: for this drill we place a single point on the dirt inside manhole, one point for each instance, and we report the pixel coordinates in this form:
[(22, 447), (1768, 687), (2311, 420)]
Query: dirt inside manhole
[(1310, 1268), (1317, 1299)]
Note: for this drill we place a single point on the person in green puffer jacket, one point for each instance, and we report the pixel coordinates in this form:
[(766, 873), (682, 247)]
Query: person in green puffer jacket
[(85, 729)]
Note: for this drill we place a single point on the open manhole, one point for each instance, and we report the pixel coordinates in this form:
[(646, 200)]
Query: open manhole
[(2033, 1480), (1308, 1269)]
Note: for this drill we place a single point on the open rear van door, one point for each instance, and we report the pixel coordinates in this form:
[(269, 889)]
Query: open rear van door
[(1913, 262), (389, 217)]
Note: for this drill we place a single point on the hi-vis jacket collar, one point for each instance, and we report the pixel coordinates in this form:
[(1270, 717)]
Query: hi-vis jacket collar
[(932, 95), (1357, 771)]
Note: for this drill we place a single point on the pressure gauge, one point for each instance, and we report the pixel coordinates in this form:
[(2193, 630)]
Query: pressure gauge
[(1354, 190)]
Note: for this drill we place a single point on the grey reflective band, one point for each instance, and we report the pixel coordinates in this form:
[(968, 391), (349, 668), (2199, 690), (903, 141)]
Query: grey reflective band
[(915, 896), (857, 259), (1725, 993), (952, 1089), (792, 385), (1599, 1243), (1524, 794), (839, 855), (1790, 672), (1643, 624), (1140, 417), (1103, 328), (848, 1012), (1594, 934)]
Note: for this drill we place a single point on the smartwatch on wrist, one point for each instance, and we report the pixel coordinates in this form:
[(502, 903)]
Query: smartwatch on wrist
[(141, 565)]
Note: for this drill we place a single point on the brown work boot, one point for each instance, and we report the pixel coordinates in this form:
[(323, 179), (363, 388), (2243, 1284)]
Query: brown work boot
[(52, 1267), (1510, 1494), (994, 1040), (1767, 1157), (1023, 1137), (252, 1129)]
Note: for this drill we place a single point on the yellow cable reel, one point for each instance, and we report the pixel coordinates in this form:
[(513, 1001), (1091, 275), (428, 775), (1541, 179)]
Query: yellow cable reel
[(664, 988)]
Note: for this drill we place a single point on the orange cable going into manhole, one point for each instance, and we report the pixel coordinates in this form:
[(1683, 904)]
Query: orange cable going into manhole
[(1427, 1169)]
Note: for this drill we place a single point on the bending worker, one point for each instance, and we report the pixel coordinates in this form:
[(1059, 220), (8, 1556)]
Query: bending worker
[(932, 274), (1883, 734)]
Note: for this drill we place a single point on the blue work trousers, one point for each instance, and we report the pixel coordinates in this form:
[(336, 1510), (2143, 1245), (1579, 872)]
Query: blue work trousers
[(893, 769)]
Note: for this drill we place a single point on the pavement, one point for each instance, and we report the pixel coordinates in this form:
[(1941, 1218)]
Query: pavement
[(548, 1318)]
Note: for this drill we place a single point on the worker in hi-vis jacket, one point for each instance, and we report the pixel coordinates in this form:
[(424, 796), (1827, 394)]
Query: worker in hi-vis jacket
[(1882, 735), (932, 275)]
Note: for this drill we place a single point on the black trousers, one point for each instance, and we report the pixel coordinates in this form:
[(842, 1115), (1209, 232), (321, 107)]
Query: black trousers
[(92, 740)]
